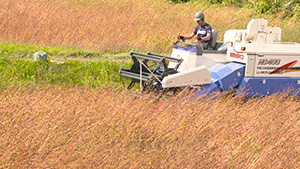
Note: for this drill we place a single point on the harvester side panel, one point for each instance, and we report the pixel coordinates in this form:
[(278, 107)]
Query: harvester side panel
[(255, 86), (274, 65)]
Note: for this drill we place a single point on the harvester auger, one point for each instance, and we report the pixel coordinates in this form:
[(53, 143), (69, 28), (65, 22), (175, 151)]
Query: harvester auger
[(252, 61)]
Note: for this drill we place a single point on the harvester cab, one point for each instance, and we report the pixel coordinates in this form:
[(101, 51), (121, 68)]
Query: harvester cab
[(254, 61)]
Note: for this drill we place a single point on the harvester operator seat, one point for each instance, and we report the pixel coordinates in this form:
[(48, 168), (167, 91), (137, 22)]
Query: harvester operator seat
[(214, 36)]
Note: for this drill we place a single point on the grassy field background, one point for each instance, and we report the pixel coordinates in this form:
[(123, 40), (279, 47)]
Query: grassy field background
[(73, 115), (113, 25)]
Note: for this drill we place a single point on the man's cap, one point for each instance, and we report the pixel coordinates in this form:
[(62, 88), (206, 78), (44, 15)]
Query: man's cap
[(198, 16)]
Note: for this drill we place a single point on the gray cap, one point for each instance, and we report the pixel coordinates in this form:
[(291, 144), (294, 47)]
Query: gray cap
[(198, 16)]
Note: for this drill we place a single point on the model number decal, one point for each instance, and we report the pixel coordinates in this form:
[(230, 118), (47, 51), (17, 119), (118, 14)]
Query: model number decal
[(269, 61), (236, 55)]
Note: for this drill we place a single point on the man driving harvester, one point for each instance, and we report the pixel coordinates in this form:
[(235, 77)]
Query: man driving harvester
[(203, 31)]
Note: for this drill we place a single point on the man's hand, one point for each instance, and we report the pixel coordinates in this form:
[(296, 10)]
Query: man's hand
[(179, 37), (199, 39)]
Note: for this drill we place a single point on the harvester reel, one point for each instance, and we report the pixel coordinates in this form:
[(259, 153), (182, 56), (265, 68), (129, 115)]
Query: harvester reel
[(150, 76)]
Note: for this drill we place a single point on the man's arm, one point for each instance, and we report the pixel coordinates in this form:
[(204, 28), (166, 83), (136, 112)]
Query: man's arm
[(207, 37), (189, 36)]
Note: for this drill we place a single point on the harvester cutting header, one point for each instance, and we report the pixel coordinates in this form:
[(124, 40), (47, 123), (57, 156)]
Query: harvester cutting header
[(254, 61)]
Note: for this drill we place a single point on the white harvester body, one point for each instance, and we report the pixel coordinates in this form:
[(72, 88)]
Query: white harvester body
[(253, 60), (258, 47)]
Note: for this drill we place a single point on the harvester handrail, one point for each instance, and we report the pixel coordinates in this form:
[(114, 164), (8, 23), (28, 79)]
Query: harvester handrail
[(145, 56), (154, 57), (167, 58)]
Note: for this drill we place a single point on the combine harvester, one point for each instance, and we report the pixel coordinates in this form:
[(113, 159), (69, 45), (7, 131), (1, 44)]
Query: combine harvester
[(253, 61)]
